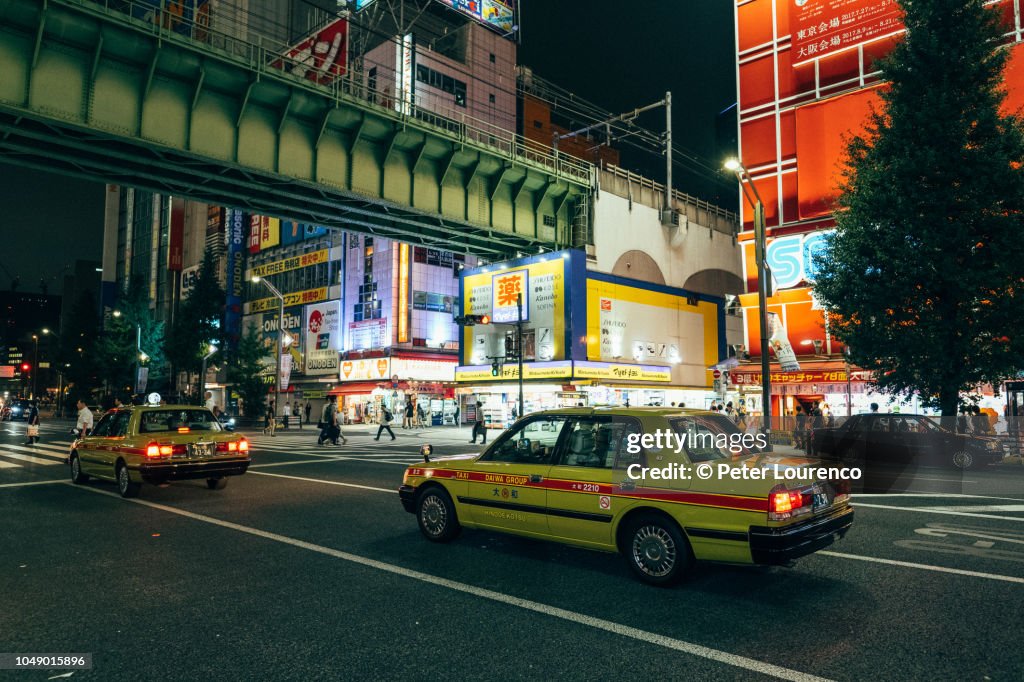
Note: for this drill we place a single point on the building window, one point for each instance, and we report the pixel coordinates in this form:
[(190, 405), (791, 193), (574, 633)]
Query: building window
[(492, 58), (549, 221), (537, 124), (490, 98)]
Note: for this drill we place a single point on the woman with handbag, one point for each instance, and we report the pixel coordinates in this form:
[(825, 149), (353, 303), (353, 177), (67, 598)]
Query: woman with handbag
[(33, 425)]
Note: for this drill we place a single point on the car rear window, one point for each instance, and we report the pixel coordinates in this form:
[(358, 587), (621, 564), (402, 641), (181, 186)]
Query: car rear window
[(162, 421), (712, 437)]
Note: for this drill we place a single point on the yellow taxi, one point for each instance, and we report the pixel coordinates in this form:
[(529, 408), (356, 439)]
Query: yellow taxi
[(664, 487), (156, 444)]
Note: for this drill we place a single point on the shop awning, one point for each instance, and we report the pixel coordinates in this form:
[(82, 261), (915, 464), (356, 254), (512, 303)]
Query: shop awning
[(809, 373)]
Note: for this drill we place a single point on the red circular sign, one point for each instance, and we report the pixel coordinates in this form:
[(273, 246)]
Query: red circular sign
[(717, 374)]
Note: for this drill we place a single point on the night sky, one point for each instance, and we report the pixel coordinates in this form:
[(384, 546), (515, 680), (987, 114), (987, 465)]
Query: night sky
[(618, 55)]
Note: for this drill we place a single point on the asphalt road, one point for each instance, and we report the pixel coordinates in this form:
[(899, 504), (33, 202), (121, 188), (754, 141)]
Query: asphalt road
[(307, 568)]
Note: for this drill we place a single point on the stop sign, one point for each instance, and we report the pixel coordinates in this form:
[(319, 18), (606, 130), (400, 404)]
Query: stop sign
[(717, 374)]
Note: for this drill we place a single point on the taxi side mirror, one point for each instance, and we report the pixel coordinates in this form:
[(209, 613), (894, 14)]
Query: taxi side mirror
[(425, 451), (523, 446)]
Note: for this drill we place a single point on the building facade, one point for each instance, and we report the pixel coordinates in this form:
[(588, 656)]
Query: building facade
[(806, 79)]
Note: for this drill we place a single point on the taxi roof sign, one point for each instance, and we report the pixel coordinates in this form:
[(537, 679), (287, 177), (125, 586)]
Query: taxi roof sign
[(153, 399)]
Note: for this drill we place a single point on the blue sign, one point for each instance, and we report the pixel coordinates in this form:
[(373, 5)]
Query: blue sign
[(238, 233)]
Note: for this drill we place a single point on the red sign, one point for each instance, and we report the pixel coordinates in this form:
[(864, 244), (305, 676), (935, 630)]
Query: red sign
[(741, 378), (323, 56), (176, 236), (824, 27), (717, 374)]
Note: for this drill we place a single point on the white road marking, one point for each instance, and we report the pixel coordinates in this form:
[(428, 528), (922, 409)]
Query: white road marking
[(983, 508), (868, 496), (926, 567), (943, 510), (320, 480), (9, 465), (501, 598), (298, 461), (20, 485), (28, 458), (36, 450)]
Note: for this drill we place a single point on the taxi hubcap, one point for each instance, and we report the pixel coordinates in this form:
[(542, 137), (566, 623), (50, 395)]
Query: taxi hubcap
[(434, 515), (654, 551), (962, 459)]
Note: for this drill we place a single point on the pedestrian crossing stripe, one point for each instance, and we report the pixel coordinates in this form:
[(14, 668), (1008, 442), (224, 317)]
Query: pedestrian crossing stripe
[(30, 458), (9, 465)]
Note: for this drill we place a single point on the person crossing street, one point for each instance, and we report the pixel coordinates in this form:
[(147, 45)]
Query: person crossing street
[(385, 423)]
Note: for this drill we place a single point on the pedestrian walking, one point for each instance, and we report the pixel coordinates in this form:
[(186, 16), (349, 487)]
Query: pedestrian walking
[(407, 419), (800, 429), (478, 424), (270, 420), (458, 413), (85, 421), (297, 411), (209, 400), (385, 422), (309, 408), (330, 425), (286, 411), (421, 415), (33, 424)]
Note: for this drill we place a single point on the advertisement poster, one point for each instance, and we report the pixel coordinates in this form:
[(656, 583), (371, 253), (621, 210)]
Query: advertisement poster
[(779, 342), (368, 334), (322, 329), (824, 27), (507, 287), (286, 370)]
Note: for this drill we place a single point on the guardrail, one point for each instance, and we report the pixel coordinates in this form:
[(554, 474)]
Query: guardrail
[(172, 20)]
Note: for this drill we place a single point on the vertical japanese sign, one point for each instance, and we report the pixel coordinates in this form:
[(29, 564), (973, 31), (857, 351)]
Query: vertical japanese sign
[(403, 293), (323, 337), (505, 290), (176, 235), (824, 27), (237, 234), (404, 69)]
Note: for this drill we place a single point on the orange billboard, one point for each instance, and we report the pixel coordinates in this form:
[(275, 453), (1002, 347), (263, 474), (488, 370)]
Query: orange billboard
[(800, 315)]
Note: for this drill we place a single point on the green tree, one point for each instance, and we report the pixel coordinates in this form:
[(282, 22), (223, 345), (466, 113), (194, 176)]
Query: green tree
[(922, 278), (116, 349), (198, 321), (244, 373)]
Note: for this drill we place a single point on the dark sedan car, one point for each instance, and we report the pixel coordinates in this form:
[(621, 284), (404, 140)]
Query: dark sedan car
[(17, 409), (901, 439)]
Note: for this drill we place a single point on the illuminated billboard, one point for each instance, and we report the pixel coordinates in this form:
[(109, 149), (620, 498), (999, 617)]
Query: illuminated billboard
[(825, 27), (497, 14), (323, 56)]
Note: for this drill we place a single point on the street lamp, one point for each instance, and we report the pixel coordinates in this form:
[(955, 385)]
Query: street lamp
[(46, 331), (256, 279), (763, 273), (140, 356), (210, 352), (35, 367)]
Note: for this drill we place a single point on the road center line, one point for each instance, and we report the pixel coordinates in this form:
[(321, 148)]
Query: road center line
[(499, 597), (944, 510), (868, 496), (926, 567)]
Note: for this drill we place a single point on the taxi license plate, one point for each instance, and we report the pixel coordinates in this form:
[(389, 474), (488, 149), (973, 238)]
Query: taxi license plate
[(820, 499), (200, 449)]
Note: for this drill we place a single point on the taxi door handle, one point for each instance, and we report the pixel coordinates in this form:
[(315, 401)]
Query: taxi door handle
[(536, 478)]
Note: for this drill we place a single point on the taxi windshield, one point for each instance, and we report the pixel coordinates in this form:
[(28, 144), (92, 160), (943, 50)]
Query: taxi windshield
[(712, 437), (174, 421)]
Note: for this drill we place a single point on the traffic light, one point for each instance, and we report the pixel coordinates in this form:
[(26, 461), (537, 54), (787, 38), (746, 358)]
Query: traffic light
[(472, 320), (25, 367), (496, 369)]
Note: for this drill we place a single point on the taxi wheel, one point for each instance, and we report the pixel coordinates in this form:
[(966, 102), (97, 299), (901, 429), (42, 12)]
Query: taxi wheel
[(656, 550), (216, 483), (963, 459), (436, 515), (125, 485), (76, 470)]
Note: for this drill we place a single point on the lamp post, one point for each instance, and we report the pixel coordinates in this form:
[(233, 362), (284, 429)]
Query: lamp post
[(763, 273), (210, 352), (35, 367), (46, 331), (279, 345), (140, 355)]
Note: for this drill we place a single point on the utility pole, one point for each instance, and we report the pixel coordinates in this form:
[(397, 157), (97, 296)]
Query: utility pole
[(668, 158), (519, 347)]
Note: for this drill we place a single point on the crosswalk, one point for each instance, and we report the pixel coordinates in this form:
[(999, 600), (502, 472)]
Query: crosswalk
[(43, 454)]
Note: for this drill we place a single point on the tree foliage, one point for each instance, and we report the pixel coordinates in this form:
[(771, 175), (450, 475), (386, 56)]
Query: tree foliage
[(244, 372), (923, 278), (198, 321), (116, 350)]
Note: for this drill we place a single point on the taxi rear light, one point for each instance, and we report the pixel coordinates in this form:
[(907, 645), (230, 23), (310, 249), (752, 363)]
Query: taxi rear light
[(183, 429), (166, 449), (782, 502), (232, 446), (152, 450), (243, 445)]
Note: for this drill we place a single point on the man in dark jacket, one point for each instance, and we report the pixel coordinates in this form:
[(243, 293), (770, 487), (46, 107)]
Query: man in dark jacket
[(478, 424)]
